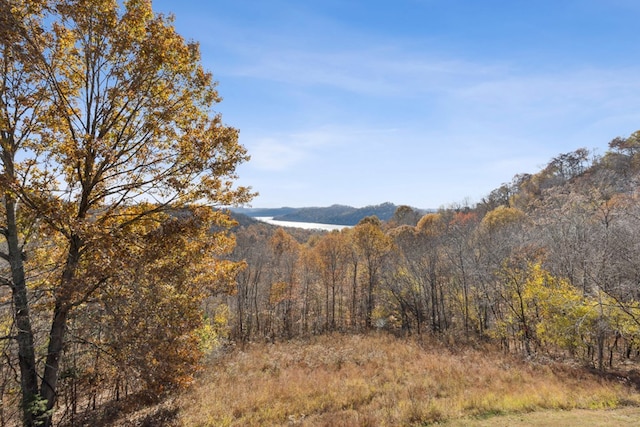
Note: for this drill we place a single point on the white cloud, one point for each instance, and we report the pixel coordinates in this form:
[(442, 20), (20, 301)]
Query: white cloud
[(279, 152), (570, 87), (485, 92), (270, 154), (380, 71)]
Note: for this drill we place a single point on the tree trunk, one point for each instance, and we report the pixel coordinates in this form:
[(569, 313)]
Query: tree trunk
[(326, 306), (370, 303), (48, 387), (333, 303), (54, 351), (354, 296), (26, 350), (435, 323)]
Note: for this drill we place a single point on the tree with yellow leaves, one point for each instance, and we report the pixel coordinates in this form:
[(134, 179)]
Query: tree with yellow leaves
[(111, 114), (332, 252), (373, 247), (545, 310)]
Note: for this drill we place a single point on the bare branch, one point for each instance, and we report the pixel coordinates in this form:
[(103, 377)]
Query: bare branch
[(5, 282)]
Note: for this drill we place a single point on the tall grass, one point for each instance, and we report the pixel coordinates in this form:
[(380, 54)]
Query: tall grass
[(379, 380)]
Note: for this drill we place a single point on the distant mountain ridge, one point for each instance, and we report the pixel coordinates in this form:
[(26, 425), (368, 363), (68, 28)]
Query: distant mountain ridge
[(334, 214), (256, 212)]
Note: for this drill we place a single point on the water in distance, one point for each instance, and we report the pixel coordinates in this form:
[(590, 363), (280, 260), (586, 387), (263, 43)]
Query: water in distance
[(306, 225)]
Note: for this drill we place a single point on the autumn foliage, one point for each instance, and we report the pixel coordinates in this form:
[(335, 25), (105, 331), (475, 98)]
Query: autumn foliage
[(112, 164), (545, 265), (119, 270)]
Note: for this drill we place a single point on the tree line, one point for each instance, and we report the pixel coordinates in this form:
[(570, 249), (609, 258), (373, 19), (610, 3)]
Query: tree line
[(548, 263)]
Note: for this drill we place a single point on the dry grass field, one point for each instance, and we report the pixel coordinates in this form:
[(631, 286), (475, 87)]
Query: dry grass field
[(380, 380)]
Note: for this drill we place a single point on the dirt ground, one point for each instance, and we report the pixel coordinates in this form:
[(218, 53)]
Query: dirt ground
[(626, 416)]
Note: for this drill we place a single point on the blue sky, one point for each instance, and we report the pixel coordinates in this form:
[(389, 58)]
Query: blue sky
[(418, 102)]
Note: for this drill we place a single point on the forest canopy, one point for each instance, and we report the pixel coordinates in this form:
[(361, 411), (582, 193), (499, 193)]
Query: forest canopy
[(546, 264)]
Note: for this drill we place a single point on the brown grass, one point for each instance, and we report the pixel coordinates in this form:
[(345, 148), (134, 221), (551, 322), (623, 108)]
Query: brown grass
[(379, 380)]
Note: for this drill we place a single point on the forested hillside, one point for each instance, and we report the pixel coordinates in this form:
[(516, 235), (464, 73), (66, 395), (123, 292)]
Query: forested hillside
[(121, 267), (548, 263)]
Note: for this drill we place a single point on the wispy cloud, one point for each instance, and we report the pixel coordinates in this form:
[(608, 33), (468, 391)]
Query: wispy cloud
[(602, 87), (271, 154), (280, 152), (488, 89), (379, 71), (431, 113)]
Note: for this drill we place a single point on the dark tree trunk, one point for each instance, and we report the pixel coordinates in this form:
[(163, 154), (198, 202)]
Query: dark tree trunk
[(26, 349), (54, 352), (48, 388)]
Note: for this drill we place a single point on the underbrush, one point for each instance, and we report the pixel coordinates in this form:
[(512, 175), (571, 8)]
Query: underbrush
[(377, 380)]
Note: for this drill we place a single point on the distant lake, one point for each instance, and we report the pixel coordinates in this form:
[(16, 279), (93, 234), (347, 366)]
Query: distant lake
[(305, 225)]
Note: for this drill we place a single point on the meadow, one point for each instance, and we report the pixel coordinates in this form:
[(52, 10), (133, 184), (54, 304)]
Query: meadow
[(381, 380)]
